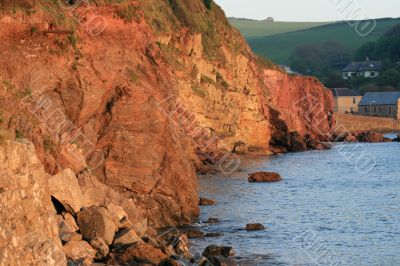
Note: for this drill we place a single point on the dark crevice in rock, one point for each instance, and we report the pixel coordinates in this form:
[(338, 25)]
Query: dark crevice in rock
[(57, 205)]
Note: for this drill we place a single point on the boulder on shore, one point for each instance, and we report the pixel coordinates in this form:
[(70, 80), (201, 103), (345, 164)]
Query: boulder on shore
[(139, 253), (264, 177), (126, 237), (255, 227), (206, 202), (65, 188), (80, 251), (96, 222)]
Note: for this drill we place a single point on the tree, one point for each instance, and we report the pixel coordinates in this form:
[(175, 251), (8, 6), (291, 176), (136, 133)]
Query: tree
[(386, 48), (366, 50), (390, 77)]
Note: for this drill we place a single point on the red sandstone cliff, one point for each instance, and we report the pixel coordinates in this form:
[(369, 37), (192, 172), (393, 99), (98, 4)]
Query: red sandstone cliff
[(163, 87)]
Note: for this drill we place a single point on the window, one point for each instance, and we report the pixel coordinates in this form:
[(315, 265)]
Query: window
[(380, 109), (354, 100), (372, 74), (374, 109), (366, 109), (390, 110)]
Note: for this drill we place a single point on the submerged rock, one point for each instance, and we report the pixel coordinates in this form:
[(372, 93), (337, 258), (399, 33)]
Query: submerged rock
[(206, 202), (213, 220), (264, 177), (255, 227), (213, 234)]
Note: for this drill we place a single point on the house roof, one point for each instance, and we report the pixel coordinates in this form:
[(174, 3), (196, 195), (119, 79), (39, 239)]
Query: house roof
[(380, 98), (340, 92), (363, 66)]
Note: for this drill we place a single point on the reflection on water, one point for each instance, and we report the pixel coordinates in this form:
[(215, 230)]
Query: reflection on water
[(323, 212)]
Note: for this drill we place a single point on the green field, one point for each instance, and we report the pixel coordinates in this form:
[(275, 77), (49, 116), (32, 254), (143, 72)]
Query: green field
[(256, 28), (280, 47)]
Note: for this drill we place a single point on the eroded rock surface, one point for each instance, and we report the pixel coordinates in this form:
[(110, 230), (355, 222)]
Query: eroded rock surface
[(28, 220)]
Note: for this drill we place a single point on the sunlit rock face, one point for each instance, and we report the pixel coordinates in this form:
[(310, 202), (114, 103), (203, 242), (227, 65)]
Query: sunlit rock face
[(164, 87), (28, 225)]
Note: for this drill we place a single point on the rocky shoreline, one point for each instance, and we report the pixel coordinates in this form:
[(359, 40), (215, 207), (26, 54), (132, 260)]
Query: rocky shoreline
[(88, 223)]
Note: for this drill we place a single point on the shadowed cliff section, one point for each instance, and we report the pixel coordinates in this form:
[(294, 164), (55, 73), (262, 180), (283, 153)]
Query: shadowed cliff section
[(128, 102)]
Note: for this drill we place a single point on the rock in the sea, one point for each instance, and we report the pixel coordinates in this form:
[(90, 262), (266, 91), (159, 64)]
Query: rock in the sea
[(397, 139), (139, 253), (80, 252), (213, 220), (126, 237), (213, 235), (96, 222), (214, 250), (371, 137), (65, 188), (206, 202), (264, 177), (255, 227)]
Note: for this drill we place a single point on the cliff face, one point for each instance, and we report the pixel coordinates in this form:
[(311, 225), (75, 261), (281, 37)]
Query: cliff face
[(162, 88), (28, 227)]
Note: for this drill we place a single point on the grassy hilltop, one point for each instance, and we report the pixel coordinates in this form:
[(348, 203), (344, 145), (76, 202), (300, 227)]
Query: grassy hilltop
[(256, 28), (279, 47)]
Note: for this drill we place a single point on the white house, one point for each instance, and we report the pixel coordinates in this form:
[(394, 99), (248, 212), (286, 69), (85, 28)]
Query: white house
[(365, 69)]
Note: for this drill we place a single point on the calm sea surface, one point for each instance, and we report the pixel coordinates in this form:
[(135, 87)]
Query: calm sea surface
[(335, 207)]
